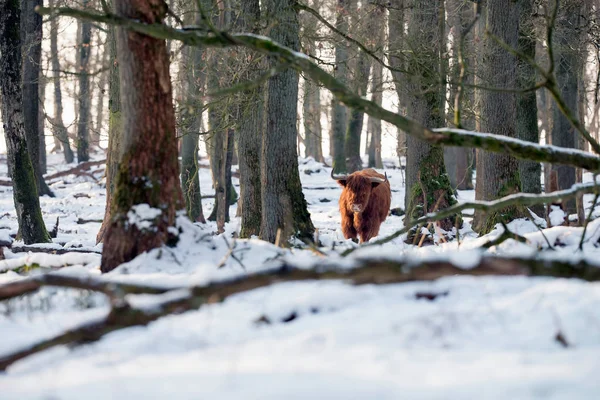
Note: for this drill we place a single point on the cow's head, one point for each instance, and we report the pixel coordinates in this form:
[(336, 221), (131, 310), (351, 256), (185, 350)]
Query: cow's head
[(358, 189)]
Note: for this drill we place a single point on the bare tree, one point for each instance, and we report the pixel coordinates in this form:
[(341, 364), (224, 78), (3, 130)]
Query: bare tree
[(27, 204)]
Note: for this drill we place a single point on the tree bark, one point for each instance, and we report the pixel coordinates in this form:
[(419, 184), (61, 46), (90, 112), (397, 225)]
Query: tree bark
[(355, 125), (396, 39), (27, 205), (84, 100), (101, 63), (251, 129), (115, 150), (527, 118), (427, 186), (31, 35), (339, 111), (499, 174), (566, 60), (283, 205), (377, 29), (41, 121), (59, 129), (149, 171), (192, 84)]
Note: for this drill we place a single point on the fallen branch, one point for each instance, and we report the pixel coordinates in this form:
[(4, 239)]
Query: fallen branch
[(80, 169), (53, 250), (179, 300)]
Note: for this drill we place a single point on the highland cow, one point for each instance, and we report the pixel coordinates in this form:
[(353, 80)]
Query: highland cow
[(364, 203)]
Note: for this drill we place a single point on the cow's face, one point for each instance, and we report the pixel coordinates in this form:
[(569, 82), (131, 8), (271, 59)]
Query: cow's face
[(358, 191)]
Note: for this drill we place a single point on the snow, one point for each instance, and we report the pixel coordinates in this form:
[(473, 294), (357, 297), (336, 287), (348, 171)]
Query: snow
[(480, 337)]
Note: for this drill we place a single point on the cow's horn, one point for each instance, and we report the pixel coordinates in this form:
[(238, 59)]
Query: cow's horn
[(338, 177), (375, 179)]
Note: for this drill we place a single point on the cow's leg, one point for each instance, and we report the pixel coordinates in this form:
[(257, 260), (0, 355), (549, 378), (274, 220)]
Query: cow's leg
[(348, 226)]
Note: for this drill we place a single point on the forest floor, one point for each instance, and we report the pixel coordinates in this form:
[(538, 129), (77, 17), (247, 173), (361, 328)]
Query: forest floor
[(479, 337)]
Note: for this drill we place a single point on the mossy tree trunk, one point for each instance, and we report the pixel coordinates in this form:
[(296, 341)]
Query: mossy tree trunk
[(192, 84), (427, 185), (498, 174), (283, 205), (148, 174), (114, 152), (339, 111), (59, 129), (31, 34), (27, 205), (251, 129)]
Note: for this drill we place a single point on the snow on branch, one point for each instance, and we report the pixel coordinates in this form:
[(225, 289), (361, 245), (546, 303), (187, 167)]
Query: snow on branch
[(520, 199), (198, 36), (177, 300)]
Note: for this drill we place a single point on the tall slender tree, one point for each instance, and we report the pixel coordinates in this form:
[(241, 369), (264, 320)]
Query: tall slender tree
[(339, 112), (527, 116), (148, 174), (192, 84), (251, 128), (498, 174), (84, 100), (59, 129), (27, 204), (284, 208), (115, 149), (567, 58), (31, 33)]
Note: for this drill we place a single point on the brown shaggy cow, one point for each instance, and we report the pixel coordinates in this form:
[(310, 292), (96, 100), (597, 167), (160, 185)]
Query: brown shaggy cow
[(364, 203)]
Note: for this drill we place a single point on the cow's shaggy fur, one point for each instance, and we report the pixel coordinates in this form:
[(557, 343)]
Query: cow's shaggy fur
[(364, 204)]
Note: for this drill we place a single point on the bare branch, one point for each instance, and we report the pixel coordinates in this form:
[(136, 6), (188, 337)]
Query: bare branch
[(300, 62)]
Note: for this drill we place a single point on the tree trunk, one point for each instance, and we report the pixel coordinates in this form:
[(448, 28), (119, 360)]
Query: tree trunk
[(192, 84), (250, 132), (527, 118), (115, 150), (339, 111), (374, 124), (102, 61), (284, 208), (566, 59), (427, 186), (27, 205), (499, 172), (355, 125), (59, 129), (31, 33), (41, 122), (396, 38), (149, 172), (83, 123)]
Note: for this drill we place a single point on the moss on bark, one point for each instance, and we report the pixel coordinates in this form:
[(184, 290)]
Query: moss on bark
[(432, 191)]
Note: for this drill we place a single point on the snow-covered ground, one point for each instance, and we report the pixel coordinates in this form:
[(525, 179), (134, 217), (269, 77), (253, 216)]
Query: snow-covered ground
[(486, 337)]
